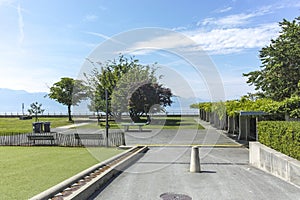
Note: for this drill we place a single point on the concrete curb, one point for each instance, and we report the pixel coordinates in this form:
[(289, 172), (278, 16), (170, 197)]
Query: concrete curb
[(88, 189), (91, 187), (275, 163)]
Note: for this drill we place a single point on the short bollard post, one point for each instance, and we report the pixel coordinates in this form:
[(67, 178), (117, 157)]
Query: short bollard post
[(195, 160)]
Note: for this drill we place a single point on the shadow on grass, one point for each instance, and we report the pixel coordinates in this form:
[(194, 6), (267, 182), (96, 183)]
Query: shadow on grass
[(158, 122), (166, 122)]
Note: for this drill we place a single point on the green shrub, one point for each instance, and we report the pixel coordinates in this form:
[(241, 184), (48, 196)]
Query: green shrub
[(282, 136)]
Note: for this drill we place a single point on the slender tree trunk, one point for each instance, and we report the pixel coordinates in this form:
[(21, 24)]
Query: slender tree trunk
[(135, 117), (148, 118), (69, 113)]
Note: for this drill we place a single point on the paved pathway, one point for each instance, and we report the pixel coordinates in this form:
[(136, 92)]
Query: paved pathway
[(226, 173), (180, 137)]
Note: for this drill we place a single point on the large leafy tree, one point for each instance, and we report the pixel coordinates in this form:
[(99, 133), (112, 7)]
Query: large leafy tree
[(106, 79), (149, 98), (131, 86), (68, 92), (139, 93), (279, 75)]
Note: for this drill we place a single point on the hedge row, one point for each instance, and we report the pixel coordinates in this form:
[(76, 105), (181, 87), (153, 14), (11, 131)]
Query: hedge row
[(282, 136)]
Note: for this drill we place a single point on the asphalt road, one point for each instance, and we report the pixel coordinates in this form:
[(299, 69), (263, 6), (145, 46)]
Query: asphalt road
[(163, 172)]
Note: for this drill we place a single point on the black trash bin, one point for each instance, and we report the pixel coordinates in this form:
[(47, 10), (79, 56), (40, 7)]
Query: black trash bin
[(47, 128), (37, 127)]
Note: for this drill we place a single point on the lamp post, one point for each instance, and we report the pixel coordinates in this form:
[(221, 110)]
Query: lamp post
[(106, 117)]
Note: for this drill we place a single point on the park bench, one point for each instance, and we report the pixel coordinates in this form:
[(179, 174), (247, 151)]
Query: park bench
[(35, 137), (88, 136), (127, 125)]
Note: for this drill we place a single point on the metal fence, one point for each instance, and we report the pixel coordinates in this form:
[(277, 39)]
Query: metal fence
[(115, 138)]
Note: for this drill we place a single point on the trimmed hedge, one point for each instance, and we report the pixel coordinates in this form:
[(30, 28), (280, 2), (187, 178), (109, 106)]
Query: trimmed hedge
[(282, 136)]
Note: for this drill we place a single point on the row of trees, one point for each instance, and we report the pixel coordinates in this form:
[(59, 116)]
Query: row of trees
[(130, 86), (277, 82), (288, 107)]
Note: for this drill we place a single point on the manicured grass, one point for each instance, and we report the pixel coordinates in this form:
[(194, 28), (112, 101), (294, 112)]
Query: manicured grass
[(27, 171), (158, 123), (15, 125), (175, 123)]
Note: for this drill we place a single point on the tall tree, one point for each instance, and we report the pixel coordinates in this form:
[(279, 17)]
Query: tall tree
[(68, 92), (131, 87), (149, 98), (279, 75), (36, 108), (138, 93), (106, 79)]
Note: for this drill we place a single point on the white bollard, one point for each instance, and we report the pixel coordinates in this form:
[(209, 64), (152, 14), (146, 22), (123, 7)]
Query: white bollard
[(195, 160)]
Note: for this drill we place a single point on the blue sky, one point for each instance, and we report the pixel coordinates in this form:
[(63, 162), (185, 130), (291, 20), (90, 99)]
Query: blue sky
[(42, 41)]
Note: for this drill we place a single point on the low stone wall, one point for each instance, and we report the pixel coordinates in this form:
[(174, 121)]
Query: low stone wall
[(274, 162)]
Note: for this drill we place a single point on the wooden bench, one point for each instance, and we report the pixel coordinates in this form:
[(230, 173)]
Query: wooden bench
[(88, 136), (41, 137), (127, 125)]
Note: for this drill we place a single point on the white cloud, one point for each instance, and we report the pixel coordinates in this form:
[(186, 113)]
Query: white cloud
[(231, 40), (98, 35), (234, 20), (215, 41), (223, 10), (103, 8), (91, 18), (241, 19), (163, 42), (180, 28), (20, 23), (103, 36)]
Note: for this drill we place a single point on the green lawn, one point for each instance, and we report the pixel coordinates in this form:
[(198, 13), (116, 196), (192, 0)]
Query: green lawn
[(14, 125), (27, 171), (159, 123)]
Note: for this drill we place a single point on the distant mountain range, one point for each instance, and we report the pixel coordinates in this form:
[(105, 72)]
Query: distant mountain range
[(11, 102)]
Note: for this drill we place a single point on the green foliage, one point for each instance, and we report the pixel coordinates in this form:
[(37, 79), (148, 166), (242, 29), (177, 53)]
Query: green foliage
[(281, 136), (220, 109), (131, 87), (36, 108), (204, 105), (232, 107), (279, 75), (68, 92), (128, 94), (139, 93), (107, 79), (291, 106), (245, 104)]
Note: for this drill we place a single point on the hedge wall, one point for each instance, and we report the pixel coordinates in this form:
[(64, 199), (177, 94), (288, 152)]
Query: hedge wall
[(282, 136)]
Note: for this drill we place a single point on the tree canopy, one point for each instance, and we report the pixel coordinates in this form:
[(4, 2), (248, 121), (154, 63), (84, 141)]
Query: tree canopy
[(277, 82), (132, 87), (68, 91), (106, 79), (138, 92), (279, 75)]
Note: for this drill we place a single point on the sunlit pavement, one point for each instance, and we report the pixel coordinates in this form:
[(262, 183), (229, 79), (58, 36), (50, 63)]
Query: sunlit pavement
[(225, 172)]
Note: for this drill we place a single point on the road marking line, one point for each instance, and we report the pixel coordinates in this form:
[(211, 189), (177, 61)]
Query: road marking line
[(191, 145)]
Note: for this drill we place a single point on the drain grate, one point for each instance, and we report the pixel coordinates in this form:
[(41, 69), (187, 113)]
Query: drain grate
[(173, 196)]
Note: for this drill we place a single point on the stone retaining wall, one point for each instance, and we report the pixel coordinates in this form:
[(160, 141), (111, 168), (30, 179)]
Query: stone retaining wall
[(274, 162)]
